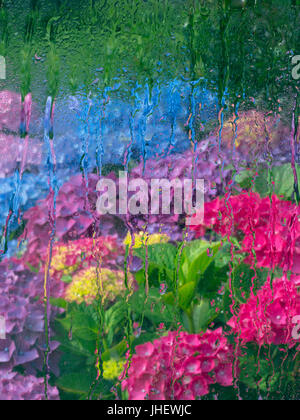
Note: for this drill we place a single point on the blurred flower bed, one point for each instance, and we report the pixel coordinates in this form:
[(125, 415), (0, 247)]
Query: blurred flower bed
[(143, 307)]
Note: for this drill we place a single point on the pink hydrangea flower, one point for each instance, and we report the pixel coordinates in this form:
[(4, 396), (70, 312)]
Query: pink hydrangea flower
[(73, 256), (13, 115), (267, 318), (180, 366)]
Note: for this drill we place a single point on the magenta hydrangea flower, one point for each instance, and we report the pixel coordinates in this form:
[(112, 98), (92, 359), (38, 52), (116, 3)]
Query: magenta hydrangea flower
[(270, 227), (15, 387), (267, 318), (180, 366)]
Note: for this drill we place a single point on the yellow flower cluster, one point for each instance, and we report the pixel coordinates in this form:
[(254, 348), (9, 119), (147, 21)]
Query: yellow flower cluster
[(112, 369), (143, 238), (90, 283)]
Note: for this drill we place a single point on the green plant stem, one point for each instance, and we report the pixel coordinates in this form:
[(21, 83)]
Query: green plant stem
[(189, 315)]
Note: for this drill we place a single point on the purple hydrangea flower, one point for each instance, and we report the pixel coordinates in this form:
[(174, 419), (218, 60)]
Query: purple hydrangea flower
[(15, 387)]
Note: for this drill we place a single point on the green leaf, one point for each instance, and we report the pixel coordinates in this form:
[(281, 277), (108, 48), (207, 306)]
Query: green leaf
[(76, 383), (245, 278), (77, 347), (282, 176), (194, 248), (244, 179), (186, 294), (82, 320), (224, 256), (198, 259), (203, 315), (114, 318), (248, 372), (71, 362), (115, 352), (161, 264), (85, 327), (284, 180), (59, 303), (211, 281), (160, 255), (153, 307)]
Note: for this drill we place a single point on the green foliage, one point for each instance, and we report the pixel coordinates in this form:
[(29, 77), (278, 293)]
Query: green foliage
[(278, 180), (197, 294), (159, 255), (224, 44), (3, 31), (78, 332), (53, 72), (26, 70), (268, 371), (246, 279), (187, 278), (83, 329), (180, 269), (197, 257)]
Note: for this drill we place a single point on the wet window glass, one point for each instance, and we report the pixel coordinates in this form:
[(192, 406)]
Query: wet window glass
[(149, 200)]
